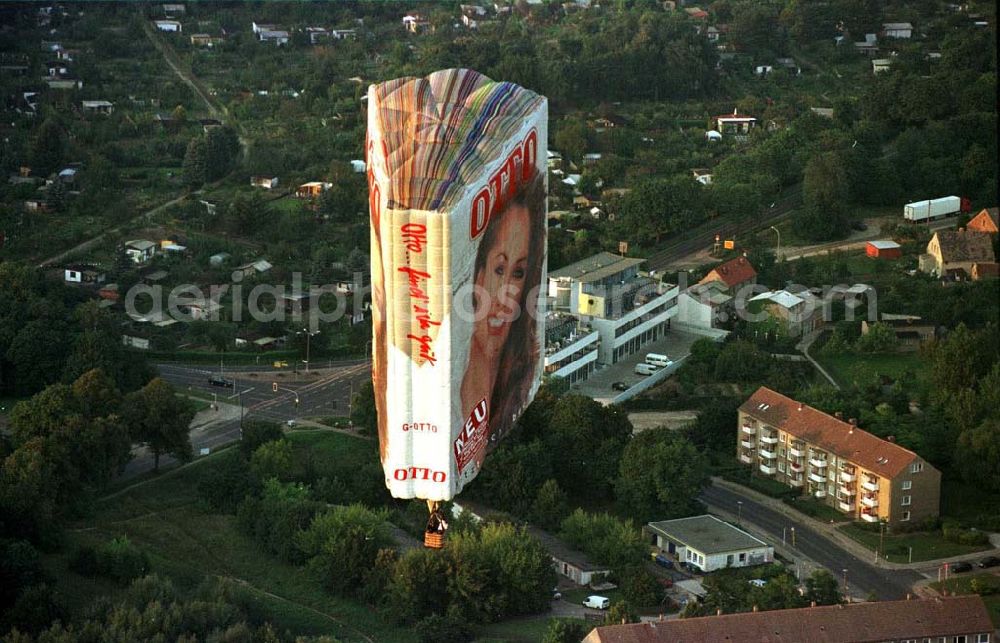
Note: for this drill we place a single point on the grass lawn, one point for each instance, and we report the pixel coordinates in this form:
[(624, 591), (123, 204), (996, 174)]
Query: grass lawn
[(866, 366), (817, 510), (335, 421), (525, 630), (164, 517), (926, 545), (963, 585)]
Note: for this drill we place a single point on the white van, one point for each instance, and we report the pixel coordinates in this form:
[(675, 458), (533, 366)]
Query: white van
[(597, 602), (645, 369), (658, 360)]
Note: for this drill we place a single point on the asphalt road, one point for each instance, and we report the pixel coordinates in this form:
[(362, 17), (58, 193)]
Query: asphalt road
[(328, 394), (861, 575)]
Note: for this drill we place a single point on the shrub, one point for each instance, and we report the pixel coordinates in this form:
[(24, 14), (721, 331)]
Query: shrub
[(443, 629), (255, 433), (118, 560)]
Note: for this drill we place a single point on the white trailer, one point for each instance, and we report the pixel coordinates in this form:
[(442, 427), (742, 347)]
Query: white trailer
[(932, 209)]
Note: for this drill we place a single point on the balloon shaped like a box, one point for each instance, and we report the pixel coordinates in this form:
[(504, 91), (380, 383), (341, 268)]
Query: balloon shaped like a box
[(457, 197)]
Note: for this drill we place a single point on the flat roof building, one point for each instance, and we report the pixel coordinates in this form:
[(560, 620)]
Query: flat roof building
[(708, 543)]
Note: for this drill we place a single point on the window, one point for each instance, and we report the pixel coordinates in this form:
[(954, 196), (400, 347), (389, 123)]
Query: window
[(982, 638), (907, 484), (907, 500), (916, 467), (906, 516), (743, 557), (958, 639), (781, 466), (781, 452)]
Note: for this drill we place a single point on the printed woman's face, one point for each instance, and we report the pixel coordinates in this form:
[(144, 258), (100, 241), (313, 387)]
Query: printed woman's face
[(501, 282)]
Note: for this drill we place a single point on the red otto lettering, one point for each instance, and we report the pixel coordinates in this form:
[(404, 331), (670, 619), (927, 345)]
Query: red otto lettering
[(419, 473), (414, 236), (518, 168)]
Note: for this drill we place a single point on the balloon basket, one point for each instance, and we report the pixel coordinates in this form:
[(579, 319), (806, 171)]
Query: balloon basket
[(433, 541)]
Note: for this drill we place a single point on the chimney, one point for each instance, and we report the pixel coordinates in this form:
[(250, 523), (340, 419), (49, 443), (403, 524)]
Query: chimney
[(812, 603), (755, 608), (839, 415), (853, 421), (718, 611), (890, 438), (800, 406), (908, 596)]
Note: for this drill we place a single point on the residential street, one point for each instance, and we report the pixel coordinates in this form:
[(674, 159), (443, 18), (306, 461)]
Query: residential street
[(862, 576)]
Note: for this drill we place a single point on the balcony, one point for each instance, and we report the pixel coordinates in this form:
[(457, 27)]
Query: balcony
[(767, 469), (770, 455), (769, 438), (817, 477), (819, 493), (749, 430), (867, 517), (746, 459), (845, 506), (748, 444), (847, 476), (797, 449), (869, 501), (870, 484), (795, 466), (819, 463), (796, 482)]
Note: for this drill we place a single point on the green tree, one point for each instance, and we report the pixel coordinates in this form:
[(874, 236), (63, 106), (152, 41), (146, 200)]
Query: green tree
[(272, 460), (590, 439), (196, 163), (978, 454), (571, 139), (160, 419), (256, 433), (660, 476), (620, 613), (825, 193), (342, 544), (409, 599), (550, 506), (363, 412), (880, 338), (641, 588), (48, 149), (565, 631), (277, 518), (823, 588), (222, 147)]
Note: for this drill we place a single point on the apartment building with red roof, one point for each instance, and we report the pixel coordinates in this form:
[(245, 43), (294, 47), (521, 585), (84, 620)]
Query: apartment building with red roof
[(850, 469), (955, 619)]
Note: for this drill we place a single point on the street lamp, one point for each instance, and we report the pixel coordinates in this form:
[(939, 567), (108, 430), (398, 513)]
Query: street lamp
[(847, 594), (308, 337), (777, 251), (739, 512), (793, 536)]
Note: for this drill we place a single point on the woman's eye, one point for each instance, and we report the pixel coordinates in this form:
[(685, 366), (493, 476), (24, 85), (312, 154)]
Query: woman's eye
[(519, 273), (499, 270)]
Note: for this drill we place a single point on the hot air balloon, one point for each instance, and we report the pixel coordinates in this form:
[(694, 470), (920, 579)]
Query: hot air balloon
[(457, 200)]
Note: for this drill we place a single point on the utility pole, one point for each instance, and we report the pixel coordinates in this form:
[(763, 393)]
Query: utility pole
[(308, 337), (847, 594), (739, 512), (777, 251), (793, 536)]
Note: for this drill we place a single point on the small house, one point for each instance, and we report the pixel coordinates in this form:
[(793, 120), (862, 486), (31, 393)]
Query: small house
[(952, 253), (734, 274), (140, 250), (702, 175), (173, 9), (986, 221), (708, 543), (911, 331), (258, 267), (266, 182), (416, 23), (713, 136), (591, 158), (734, 124), (83, 274), (880, 65), (358, 166), (170, 26), (312, 189), (97, 107), (277, 36), (205, 40), (218, 259), (901, 30), (763, 70), (797, 313), (883, 249)]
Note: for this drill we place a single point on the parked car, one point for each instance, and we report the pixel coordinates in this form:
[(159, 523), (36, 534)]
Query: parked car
[(597, 602), (989, 561), (619, 386), (663, 561), (556, 594), (959, 567)]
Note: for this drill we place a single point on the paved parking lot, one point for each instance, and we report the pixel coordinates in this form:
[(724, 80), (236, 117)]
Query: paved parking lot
[(675, 345)]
